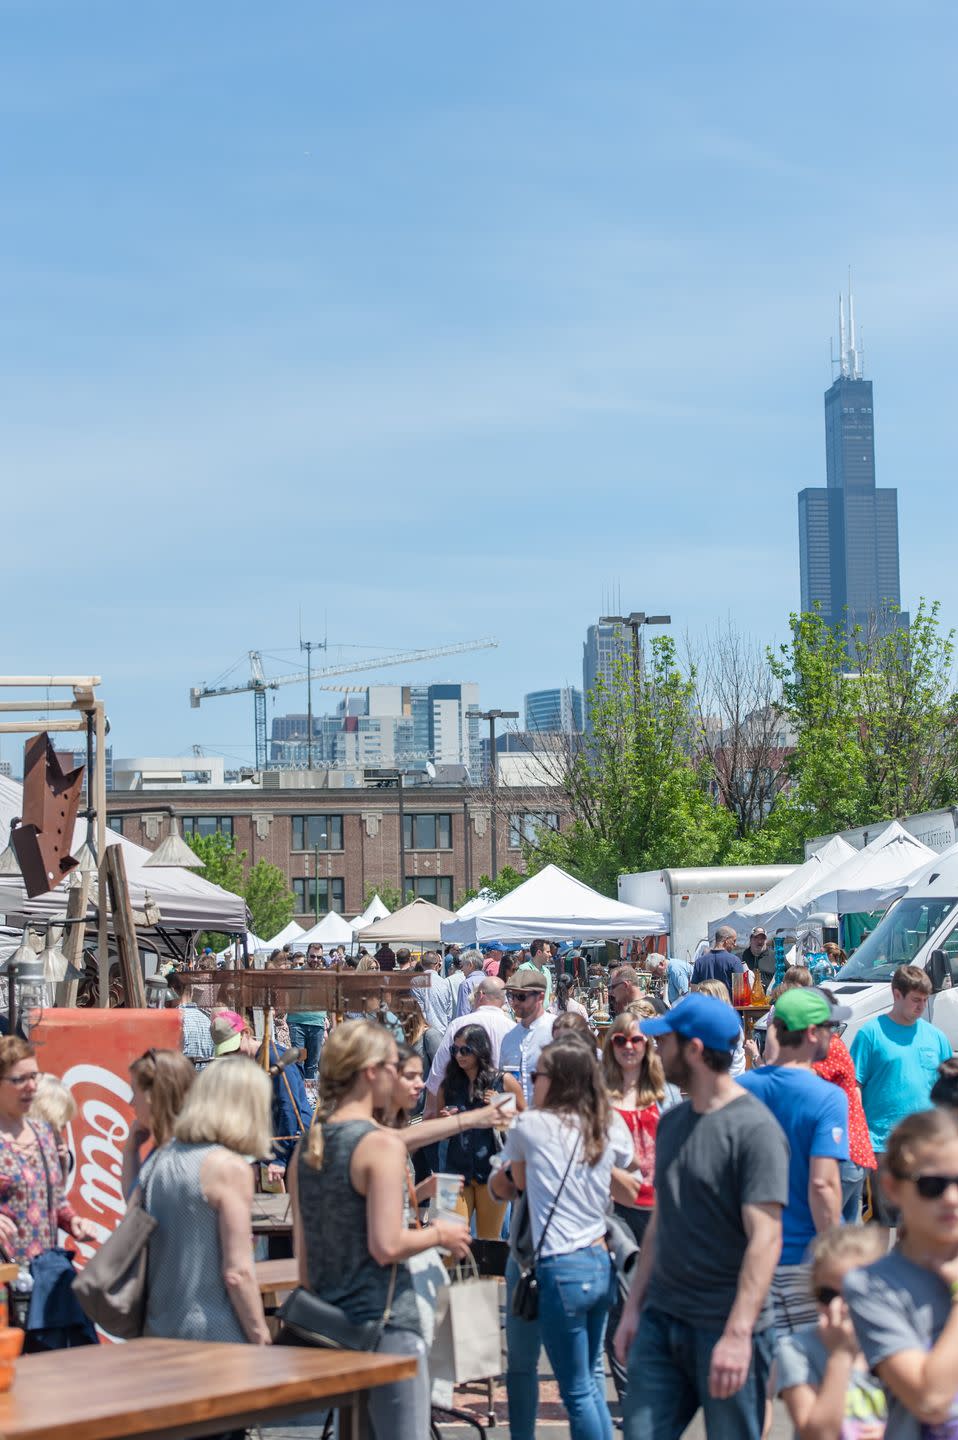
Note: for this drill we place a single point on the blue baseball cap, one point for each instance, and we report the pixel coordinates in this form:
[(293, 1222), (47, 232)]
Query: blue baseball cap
[(698, 1017)]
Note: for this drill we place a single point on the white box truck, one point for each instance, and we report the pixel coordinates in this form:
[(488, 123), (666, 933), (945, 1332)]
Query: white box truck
[(691, 899)]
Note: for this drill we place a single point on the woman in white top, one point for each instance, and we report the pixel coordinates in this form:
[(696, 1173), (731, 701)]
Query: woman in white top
[(562, 1153)]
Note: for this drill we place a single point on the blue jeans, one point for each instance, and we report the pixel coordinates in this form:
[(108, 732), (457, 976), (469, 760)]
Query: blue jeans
[(310, 1038), (669, 1382), (523, 1344), (853, 1182), (575, 1292)]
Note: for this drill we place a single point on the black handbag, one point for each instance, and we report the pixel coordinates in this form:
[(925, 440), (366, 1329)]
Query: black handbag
[(525, 1297), (305, 1319)]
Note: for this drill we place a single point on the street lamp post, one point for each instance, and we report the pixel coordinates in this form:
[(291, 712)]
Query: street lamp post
[(492, 716), (635, 621)]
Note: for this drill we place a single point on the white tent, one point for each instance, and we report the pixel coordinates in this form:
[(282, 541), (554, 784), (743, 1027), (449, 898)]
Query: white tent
[(555, 906), (375, 910), (418, 921), (186, 900), (862, 882), (782, 907), (254, 946), (290, 934), (331, 930)]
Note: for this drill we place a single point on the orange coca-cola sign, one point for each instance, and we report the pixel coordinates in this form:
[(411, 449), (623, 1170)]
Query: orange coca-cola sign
[(91, 1052)]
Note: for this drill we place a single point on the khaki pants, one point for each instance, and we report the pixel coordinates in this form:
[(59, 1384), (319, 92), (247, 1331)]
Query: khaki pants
[(476, 1200)]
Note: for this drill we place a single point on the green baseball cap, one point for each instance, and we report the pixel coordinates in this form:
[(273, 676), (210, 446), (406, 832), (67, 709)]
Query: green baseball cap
[(798, 1008)]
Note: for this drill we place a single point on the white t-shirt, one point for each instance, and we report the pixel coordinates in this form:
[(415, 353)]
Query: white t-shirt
[(544, 1140), (521, 1049)]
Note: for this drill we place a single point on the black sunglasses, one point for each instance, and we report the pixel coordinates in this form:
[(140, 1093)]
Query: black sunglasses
[(535, 1075), (825, 1294), (932, 1187), (461, 1050)]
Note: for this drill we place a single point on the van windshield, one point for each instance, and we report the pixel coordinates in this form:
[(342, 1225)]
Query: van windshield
[(897, 939)]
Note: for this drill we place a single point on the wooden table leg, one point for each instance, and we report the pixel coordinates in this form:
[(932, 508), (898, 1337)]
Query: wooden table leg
[(354, 1417)]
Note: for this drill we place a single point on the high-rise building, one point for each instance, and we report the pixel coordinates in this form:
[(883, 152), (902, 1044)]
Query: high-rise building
[(554, 711), (606, 645), (848, 531)]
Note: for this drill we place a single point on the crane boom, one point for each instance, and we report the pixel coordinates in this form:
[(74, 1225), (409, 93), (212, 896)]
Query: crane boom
[(259, 681)]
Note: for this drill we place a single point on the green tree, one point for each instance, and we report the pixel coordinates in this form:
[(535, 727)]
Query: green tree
[(263, 886), (507, 879), (637, 788), (270, 900), (390, 895)]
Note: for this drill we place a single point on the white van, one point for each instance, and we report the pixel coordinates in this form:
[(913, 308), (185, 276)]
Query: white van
[(920, 929)]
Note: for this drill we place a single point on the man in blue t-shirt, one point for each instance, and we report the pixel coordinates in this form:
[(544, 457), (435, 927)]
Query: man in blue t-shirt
[(814, 1116), (719, 963), (896, 1060)]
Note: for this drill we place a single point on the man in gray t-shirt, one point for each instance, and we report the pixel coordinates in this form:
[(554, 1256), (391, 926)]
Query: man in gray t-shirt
[(897, 1305), (696, 1325)]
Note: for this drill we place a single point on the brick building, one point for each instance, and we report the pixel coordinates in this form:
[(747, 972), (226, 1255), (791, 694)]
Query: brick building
[(346, 841)]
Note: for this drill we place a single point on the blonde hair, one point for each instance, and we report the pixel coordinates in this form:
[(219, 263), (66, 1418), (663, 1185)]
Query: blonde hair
[(861, 1243), (650, 1082), (229, 1104), (367, 963), (165, 1077), (640, 1009), (354, 1046), (716, 988), (53, 1103)]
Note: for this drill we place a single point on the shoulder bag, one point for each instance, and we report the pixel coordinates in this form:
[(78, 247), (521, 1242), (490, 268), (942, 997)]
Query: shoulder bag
[(305, 1319), (111, 1287), (525, 1297)]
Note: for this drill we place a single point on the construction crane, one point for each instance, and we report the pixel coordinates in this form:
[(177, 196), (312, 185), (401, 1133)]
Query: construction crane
[(259, 683)]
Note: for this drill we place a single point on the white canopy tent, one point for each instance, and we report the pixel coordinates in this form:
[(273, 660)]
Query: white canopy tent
[(418, 921), (863, 881), (375, 910), (555, 906), (783, 907), (290, 934), (331, 930), (254, 946), (185, 899)]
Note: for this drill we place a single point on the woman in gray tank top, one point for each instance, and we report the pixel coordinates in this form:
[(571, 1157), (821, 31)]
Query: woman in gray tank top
[(348, 1183)]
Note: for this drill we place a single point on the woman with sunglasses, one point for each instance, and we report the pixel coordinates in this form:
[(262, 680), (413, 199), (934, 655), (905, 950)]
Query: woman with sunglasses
[(347, 1181), (471, 1083), (32, 1203), (905, 1306), (823, 1377), (160, 1081), (636, 1084), (562, 1153)]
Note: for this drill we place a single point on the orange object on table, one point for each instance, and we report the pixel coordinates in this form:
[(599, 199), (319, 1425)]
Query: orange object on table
[(11, 1343)]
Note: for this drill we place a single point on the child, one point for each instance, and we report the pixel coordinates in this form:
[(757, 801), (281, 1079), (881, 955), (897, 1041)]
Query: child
[(823, 1377), (905, 1306), (54, 1103)]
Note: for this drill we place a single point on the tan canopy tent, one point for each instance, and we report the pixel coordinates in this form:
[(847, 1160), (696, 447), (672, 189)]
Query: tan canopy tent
[(418, 921)]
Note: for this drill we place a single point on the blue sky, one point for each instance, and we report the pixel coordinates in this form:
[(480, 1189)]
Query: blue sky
[(438, 320)]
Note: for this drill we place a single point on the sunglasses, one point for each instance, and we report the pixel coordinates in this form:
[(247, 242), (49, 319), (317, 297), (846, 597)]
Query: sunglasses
[(515, 995), (932, 1187), (825, 1294), (632, 1040), (461, 1050), (535, 1075)]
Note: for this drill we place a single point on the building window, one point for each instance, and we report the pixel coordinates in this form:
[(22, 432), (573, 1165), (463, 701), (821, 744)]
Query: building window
[(427, 832), (332, 895), (115, 822), (317, 832), (437, 888), (207, 825), (525, 827)]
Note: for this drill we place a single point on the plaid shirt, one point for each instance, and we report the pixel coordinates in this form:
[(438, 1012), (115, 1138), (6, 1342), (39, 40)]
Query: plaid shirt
[(197, 1041)]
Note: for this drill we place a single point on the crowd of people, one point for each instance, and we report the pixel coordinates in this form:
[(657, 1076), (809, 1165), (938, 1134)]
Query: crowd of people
[(716, 1224)]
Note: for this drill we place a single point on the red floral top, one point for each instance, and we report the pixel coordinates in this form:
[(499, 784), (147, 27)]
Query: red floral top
[(839, 1068), (643, 1126), (25, 1194)]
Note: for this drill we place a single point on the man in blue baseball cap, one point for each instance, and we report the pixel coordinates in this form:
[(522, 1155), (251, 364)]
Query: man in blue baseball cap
[(697, 1326)]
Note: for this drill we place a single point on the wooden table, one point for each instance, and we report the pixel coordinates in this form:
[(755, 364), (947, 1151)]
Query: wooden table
[(177, 1389), (275, 1279)]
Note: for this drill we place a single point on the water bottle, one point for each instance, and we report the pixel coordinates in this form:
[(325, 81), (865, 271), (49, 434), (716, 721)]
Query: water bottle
[(21, 1292)]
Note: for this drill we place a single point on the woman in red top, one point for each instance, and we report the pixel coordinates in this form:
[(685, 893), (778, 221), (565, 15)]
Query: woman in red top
[(839, 1068), (636, 1084)]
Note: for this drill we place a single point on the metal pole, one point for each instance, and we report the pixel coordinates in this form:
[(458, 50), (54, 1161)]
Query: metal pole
[(103, 939), (402, 843), (466, 844), (316, 881), (309, 708), (493, 835)]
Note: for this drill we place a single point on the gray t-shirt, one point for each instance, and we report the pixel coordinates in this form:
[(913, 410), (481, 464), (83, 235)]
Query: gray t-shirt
[(897, 1305), (802, 1358), (706, 1168)]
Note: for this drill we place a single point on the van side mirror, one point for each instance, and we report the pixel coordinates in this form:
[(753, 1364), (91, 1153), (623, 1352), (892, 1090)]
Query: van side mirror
[(940, 971)]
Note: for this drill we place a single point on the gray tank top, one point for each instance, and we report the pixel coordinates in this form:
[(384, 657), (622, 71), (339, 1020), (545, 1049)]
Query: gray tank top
[(338, 1263), (186, 1295)]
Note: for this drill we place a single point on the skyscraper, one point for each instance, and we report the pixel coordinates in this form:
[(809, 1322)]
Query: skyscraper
[(554, 711), (848, 531), (605, 645)]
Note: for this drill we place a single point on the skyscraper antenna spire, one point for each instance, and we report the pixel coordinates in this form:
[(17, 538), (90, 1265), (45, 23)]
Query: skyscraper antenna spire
[(842, 357), (854, 364)]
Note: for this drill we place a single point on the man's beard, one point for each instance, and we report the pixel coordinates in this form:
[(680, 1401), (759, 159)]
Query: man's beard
[(677, 1071)]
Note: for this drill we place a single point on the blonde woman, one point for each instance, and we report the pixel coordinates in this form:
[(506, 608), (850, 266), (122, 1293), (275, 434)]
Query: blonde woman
[(201, 1281), (719, 991), (348, 1181), (635, 1081), (54, 1103)]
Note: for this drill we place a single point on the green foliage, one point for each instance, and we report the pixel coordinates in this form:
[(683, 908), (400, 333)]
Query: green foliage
[(637, 789), (263, 886), (390, 895), (507, 879)]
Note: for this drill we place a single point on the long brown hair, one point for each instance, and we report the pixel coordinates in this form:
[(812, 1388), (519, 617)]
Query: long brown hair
[(165, 1076), (650, 1081), (927, 1127), (576, 1089), (354, 1046)]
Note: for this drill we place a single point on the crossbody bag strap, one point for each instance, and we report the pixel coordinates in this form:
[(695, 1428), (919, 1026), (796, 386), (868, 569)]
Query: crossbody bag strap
[(552, 1208), (54, 1227), (292, 1101)]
